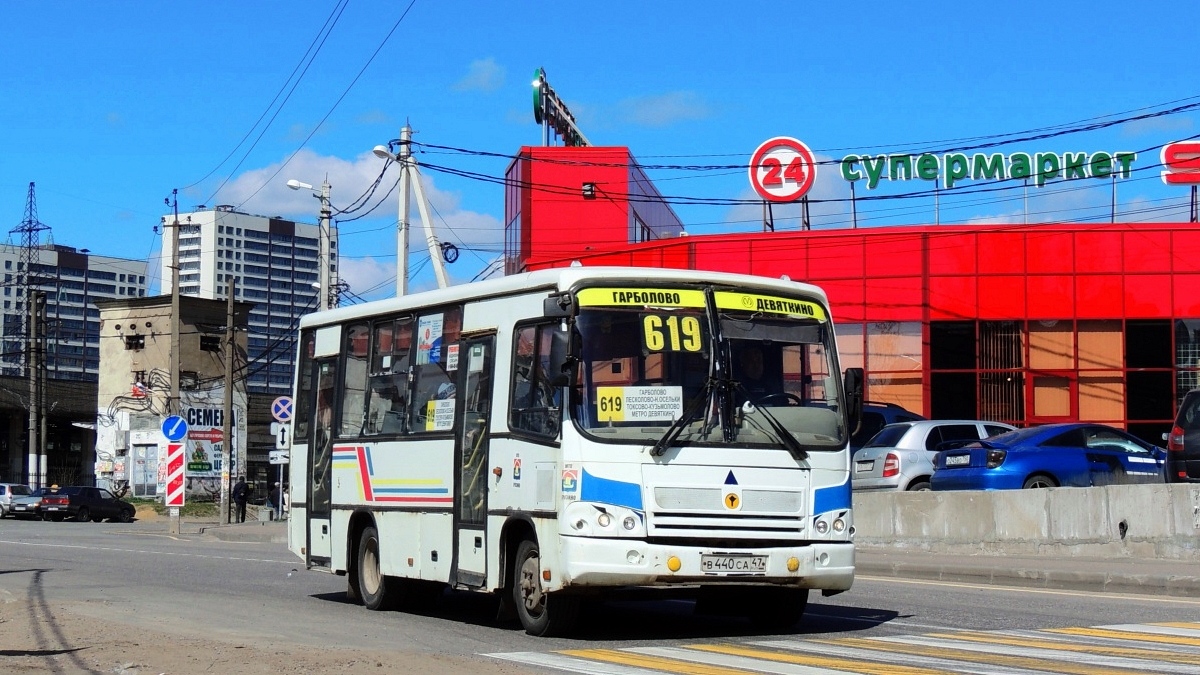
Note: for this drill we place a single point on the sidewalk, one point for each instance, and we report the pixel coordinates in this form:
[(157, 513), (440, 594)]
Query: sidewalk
[(1145, 576)]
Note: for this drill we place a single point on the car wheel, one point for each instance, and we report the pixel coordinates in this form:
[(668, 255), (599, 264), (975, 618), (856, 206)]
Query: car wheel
[(83, 515), (921, 485), (1039, 481), (541, 614), (126, 516)]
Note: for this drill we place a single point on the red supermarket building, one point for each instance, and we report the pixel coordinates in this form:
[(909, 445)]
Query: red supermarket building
[(1023, 324)]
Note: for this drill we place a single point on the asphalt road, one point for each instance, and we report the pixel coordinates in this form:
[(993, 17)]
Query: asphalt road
[(133, 575)]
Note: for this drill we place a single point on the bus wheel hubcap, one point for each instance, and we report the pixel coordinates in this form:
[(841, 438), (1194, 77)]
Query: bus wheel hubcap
[(531, 590)]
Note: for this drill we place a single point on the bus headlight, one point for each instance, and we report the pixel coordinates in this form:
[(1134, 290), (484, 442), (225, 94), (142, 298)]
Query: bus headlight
[(839, 525), (629, 523), (604, 520), (822, 527)]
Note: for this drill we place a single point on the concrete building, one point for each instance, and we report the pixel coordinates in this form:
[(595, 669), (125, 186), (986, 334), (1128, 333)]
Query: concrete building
[(134, 388), (275, 264), (72, 280)]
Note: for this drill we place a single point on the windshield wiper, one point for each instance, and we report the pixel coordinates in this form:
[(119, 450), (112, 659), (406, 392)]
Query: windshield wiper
[(785, 437), (677, 427)]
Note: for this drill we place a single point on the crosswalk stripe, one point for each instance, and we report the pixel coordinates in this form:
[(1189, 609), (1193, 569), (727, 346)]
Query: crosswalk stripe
[(654, 662), (923, 663), (1042, 644), (866, 667), (1138, 635), (1118, 649), (730, 661), (1193, 628), (951, 651), (560, 662)]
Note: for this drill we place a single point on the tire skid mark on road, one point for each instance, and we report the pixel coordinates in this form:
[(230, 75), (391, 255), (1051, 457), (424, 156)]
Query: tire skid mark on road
[(112, 549)]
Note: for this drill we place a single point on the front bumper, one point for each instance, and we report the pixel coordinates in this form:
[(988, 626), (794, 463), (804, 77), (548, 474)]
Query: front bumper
[(589, 561)]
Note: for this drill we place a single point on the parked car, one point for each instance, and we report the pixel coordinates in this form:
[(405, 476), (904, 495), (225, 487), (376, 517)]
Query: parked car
[(83, 503), (876, 416), (1075, 454), (8, 491), (1183, 442), (900, 456), (29, 506)]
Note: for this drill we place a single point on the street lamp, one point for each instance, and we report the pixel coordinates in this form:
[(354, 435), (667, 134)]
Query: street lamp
[(324, 245), (409, 176)]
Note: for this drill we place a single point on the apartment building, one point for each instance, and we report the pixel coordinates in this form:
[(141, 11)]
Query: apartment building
[(72, 280), (275, 264)]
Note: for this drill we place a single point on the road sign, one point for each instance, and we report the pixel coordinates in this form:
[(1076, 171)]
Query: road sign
[(282, 434), (174, 474), (782, 169), (175, 428), (279, 456), (281, 408)]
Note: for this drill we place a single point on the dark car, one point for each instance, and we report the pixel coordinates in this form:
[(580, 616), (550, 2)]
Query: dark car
[(1183, 443), (876, 416), (1074, 454), (83, 503)]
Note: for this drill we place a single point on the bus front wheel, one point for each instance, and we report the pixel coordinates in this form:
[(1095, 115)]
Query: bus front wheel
[(542, 614), (376, 590)]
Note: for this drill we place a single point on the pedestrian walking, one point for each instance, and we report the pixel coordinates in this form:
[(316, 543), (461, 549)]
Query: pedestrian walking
[(241, 493), (273, 500)]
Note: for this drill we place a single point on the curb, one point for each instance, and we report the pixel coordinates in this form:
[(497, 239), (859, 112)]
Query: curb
[(1142, 584)]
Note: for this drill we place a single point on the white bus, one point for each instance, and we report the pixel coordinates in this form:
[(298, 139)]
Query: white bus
[(554, 435)]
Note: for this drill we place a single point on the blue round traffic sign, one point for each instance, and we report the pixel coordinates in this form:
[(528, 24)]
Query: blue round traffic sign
[(281, 408), (175, 428)]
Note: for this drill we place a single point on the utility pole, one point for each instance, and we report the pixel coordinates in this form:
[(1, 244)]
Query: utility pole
[(33, 366), (173, 397), (227, 413), (402, 236), (325, 247), (410, 177)]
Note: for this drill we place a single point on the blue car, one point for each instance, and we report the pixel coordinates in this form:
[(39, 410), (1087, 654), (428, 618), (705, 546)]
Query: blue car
[(1054, 455)]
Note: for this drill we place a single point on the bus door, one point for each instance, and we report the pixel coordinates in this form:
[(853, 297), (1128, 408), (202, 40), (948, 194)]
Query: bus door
[(472, 414), (320, 463)]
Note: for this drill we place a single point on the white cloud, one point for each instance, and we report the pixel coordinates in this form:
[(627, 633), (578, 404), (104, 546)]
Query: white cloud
[(664, 109), (482, 75), (368, 246)]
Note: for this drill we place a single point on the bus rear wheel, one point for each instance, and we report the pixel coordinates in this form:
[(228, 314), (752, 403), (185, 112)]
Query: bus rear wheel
[(376, 590), (542, 614)]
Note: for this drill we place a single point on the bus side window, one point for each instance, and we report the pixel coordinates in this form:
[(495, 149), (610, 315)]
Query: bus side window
[(389, 385), (354, 381), (434, 370)]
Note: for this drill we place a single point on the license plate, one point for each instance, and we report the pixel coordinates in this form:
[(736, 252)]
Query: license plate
[(958, 460), (733, 564), (20, 507), (49, 508), (865, 465)]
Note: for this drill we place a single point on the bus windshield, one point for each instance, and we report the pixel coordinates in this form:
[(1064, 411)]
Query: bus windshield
[(713, 367)]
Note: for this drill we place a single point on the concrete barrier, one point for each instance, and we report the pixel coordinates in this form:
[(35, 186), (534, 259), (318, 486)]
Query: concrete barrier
[(1145, 521)]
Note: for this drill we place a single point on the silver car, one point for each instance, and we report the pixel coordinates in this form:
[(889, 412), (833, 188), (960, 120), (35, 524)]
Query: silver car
[(10, 491), (900, 456)]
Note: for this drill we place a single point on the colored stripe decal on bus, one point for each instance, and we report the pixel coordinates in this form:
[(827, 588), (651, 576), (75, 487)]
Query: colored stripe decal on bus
[(607, 491), (832, 498), (371, 489)]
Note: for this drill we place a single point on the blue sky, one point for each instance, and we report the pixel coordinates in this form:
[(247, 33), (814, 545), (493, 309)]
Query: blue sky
[(109, 106)]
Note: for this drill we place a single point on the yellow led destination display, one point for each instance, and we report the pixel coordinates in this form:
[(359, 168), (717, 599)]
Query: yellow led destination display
[(770, 304), (632, 296)]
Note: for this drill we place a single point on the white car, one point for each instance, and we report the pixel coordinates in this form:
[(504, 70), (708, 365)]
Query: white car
[(900, 456)]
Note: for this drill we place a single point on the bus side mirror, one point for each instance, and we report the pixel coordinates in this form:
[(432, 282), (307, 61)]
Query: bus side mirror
[(562, 362), (853, 386)]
